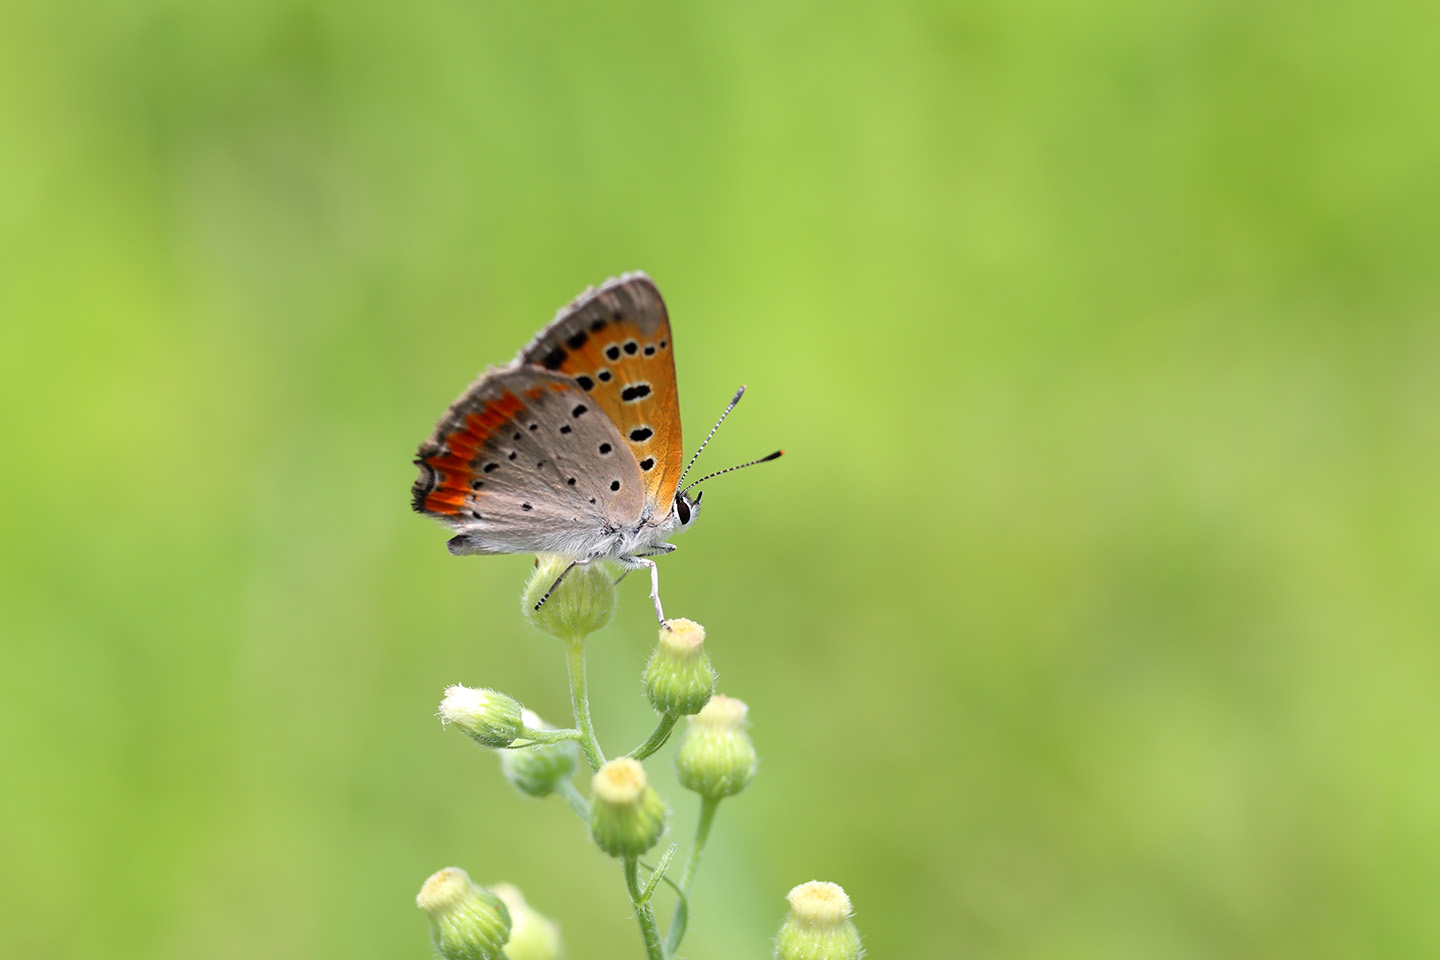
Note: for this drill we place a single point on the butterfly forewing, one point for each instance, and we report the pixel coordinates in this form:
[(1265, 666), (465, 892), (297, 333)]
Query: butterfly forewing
[(615, 343), (526, 461)]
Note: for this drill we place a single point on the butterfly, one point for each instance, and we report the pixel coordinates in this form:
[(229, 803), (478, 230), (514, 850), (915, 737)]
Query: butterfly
[(574, 447)]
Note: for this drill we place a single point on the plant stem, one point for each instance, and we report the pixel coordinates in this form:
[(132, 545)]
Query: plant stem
[(644, 915), (657, 739), (702, 833), (579, 804), (580, 702), (529, 736)]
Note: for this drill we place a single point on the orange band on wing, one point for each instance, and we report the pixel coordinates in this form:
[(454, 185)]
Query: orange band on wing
[(453, 468)]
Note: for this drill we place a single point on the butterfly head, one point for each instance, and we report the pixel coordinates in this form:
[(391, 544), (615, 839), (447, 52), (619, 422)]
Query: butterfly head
[(686, 509)]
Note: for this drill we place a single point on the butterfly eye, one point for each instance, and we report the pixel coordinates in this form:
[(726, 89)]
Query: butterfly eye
[(683, 509)]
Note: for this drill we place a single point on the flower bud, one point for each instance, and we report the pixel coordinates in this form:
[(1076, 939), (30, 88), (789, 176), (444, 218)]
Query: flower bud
[(819, 926), (489, 718), (678, 678), (467, 921), (627, 816), (716, 758), (539, 768), (533, 936), (582, 604)]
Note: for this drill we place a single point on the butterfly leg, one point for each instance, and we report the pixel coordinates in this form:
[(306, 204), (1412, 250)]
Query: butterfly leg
[(633, 562), (541, 602), (659, 549)]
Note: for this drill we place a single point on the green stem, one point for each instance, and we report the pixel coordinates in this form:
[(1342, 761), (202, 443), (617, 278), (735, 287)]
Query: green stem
[(580, 702), (644, 915), (678, 921), (657, 739), (702, 833), (579, 804), (529, 736)]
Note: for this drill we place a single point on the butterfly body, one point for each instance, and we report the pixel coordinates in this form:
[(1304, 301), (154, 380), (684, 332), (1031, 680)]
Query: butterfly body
[(574, 448)]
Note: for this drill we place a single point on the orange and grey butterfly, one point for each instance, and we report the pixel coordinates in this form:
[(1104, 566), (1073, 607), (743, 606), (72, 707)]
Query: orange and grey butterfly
[(574, 447)]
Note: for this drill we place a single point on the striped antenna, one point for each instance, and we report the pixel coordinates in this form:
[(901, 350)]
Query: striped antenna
[(738, 394), (739, 466)]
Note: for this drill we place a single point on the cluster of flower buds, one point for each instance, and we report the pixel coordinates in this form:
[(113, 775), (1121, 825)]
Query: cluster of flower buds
[(467, 922), (489, 718), (583, 603), (470, 922), (538, 769), (679, 679), (818, 927), (716, 758), (493, 719), (533, 936), (627, 816)]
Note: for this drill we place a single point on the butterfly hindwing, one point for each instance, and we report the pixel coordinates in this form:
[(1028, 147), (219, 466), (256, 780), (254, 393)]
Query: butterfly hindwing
[(526, 461), (615, 343)]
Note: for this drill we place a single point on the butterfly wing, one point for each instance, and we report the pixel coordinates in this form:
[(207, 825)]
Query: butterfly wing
[(526, 462), (616, 344)]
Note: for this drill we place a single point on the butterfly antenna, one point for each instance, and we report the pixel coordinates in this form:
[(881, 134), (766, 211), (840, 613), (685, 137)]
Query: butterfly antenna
[(739, 466), (736, 399)]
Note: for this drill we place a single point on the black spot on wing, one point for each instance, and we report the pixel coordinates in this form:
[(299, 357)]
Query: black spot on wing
[(647, 464), (585, 383), (636, 391), (554, 359), (614, 484), (577, 339), (641, 434), (613, 352)]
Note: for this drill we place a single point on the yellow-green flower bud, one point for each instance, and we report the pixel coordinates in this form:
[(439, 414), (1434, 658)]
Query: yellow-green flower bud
[(627, 816), (533, 936), (819, 926), (716, 758), (582, 604), (538, 768), (467, 921), (678, 678), (489, 718)]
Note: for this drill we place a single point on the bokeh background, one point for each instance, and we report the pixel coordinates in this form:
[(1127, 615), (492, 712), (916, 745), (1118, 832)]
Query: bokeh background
[(1092, 614)]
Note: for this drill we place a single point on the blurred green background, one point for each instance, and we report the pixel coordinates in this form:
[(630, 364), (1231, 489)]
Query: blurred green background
[(1092, 614)]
